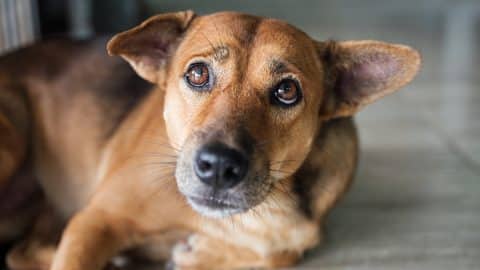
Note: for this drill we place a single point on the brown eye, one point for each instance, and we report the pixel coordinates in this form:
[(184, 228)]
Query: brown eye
[(286, 93), (198, 75)]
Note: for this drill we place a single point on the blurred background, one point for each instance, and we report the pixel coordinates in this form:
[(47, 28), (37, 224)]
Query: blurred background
[(415, 203)]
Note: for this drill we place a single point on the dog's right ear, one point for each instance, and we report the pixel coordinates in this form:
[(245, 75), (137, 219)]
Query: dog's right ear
[(148, 46)]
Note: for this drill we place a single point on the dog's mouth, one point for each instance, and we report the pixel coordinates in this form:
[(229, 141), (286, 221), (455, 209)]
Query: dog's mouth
[(212, 202), (214, 207)]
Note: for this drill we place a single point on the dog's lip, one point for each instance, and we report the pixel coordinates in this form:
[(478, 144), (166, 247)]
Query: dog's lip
[(211, 202)]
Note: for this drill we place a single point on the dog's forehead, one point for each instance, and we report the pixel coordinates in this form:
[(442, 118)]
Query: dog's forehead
[(279, 42), (248, 32), (227, 25)]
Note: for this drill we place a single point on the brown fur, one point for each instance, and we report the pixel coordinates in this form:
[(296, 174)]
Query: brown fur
[(106, 158)]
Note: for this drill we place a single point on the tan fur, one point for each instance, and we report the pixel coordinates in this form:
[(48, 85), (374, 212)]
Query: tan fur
[(113, 195)]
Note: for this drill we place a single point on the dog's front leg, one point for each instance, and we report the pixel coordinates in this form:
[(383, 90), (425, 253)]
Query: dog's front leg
[(201, 252), (91, 238)]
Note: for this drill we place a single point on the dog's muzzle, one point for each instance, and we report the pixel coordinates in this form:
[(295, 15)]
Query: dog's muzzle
[(222, 175)]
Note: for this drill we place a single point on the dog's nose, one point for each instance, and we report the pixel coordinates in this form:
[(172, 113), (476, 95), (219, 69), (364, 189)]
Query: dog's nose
[(220, 166)]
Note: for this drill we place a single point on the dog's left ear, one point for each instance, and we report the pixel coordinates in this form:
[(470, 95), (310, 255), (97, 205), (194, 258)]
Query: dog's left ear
[(148, 46), (360, 72)]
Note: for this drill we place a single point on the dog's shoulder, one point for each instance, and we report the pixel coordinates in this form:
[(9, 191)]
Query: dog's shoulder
[(328, 170)]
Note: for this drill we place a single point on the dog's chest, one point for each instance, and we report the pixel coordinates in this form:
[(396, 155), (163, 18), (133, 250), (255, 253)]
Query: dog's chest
[(269, 230)]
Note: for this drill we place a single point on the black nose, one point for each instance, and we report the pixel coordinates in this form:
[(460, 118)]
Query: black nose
[(220, 166)]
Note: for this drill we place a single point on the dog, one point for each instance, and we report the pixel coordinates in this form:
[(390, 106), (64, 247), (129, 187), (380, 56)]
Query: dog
[(227, 153)]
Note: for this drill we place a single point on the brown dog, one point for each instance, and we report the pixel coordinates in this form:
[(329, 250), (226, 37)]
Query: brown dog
[(245, 141)]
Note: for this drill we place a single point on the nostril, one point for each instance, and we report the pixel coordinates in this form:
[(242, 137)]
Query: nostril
[(231, 172), (204, 165)]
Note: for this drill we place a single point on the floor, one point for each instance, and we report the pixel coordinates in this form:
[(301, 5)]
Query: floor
[(415, 203)]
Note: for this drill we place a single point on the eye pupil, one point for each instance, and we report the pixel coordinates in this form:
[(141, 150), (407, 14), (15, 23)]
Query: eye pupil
[(197, 75), (287, 93)]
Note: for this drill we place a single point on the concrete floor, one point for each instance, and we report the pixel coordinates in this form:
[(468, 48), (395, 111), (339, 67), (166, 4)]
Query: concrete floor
[(415, 203)]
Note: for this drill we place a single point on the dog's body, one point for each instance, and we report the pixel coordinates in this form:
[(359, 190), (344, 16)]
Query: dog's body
[(73, 87), (95, 137)]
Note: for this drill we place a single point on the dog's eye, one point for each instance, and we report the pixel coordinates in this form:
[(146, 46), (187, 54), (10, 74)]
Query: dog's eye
[(197, 75), (286, 93)]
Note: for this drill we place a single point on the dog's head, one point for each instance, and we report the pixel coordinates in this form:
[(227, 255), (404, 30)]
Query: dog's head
[(246, 96)]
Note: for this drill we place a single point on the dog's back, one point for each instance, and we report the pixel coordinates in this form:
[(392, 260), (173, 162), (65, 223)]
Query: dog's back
[(66, 98)]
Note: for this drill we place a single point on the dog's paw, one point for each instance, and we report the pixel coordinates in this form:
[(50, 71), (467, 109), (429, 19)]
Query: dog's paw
[(193, 253)]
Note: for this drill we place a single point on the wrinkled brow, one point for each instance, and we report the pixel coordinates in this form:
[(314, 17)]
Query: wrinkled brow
[(281, 66), (219, 53), (277, 67)]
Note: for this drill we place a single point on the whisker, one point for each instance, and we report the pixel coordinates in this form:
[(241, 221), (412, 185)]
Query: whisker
[(157, 156), (284, 161), (285, 190), (160, 162), (156, 136), (164, 145), (143, 156), (160, 166), (161, 188), (283, 171)]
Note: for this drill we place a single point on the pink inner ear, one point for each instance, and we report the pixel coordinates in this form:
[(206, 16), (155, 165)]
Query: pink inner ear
[(152, 47), (155, 44), (377, 67), (159, 46), (367, 75)]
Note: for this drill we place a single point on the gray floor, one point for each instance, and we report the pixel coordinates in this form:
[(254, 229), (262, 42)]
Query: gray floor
[(416, 200)]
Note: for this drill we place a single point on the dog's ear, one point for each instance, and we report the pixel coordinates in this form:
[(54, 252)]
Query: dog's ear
[(360, 72), (148, 46)]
